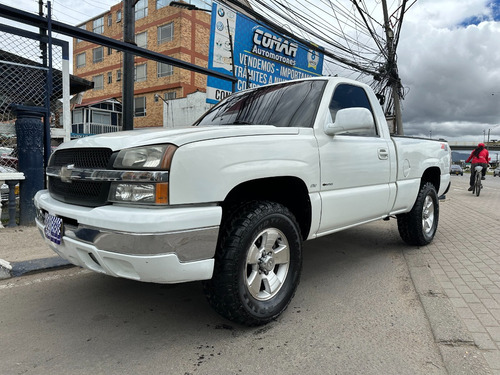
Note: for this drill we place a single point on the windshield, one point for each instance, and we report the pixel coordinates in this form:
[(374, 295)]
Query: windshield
[(284, 105)]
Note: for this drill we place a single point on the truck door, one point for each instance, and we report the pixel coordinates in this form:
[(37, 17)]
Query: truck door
[(355, 168)]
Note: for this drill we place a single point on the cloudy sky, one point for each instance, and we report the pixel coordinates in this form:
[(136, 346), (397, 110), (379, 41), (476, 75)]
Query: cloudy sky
[(449, 61), (448, 58)]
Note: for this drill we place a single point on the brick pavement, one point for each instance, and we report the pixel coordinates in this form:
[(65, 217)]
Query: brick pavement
[(465, 260)]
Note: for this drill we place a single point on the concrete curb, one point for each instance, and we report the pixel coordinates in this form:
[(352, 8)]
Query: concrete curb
[(16, 269), (5, 269), (457, 347)]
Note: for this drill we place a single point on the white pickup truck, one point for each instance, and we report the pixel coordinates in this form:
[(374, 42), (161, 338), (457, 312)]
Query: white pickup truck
[(230, 199)]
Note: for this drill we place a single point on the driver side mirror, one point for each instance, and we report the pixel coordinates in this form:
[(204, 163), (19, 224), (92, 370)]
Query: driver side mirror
[(350, 120)]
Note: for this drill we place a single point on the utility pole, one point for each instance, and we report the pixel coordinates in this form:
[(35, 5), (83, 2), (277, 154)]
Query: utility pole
[(128, 65), (392, 70)]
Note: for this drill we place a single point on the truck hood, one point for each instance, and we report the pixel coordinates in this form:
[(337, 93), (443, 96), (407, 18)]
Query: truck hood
[(179, 136)]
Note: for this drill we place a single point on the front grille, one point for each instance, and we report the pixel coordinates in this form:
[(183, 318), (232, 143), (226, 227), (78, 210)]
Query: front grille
[(95, 158), (84, 193)]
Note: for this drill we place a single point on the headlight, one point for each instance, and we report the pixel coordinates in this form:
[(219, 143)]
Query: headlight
[(154, 193), (148, 157)]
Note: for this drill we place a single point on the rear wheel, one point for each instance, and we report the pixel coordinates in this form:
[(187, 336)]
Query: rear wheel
[(419, 226), (257, 264), (478, 183)]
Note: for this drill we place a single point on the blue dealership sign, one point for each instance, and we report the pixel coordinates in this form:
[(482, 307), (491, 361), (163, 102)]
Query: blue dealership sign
[(261, 56)]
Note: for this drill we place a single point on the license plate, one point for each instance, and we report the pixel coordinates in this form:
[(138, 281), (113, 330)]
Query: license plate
[(53, 228)]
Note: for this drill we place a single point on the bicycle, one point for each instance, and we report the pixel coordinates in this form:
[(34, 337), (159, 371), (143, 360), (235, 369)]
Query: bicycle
[(476, 188)]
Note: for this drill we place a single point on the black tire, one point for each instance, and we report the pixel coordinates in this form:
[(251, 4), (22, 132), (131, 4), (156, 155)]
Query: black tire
[(418, 227), (244, 260), (478, 183)]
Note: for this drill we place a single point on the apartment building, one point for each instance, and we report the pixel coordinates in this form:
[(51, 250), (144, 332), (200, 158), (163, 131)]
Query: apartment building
[(180, 33)]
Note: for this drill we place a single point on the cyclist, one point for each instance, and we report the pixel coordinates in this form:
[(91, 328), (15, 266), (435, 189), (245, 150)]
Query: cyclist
[(479, 156)]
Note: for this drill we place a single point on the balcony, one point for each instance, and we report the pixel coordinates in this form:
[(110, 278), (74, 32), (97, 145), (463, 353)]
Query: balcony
[(92, 128)]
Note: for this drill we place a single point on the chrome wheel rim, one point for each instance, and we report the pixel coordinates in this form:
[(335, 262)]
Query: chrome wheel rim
[(267, 264), (428, 215)]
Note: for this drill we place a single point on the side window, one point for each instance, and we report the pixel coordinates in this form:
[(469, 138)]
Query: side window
[(166, 33), (80, 60), (98, 25), (98, 54), (349, 96), (140, 106)]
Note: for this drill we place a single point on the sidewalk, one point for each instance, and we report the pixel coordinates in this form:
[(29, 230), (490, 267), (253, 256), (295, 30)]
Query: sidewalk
[(464, 259), (457, 276), (23, 250)]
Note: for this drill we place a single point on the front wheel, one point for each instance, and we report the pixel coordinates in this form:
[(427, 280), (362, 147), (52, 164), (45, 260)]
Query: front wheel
[(257, 264), (419, 226)]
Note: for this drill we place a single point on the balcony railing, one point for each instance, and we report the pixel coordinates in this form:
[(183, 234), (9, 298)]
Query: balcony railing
[(94, 128)]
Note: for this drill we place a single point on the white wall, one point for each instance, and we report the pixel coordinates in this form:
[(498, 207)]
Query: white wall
[(184, 111)]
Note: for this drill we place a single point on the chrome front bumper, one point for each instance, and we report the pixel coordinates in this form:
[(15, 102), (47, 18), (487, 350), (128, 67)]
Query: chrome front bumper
[(149, 252), (188, 245)]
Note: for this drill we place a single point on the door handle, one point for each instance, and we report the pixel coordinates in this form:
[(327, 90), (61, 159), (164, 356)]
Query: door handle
[(383, 154)]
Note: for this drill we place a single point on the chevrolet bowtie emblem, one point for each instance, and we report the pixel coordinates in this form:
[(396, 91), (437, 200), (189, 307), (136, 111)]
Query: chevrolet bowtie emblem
[(66, 172)]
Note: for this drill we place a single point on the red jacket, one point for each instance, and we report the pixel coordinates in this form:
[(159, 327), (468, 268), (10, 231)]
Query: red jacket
[(484, 157)]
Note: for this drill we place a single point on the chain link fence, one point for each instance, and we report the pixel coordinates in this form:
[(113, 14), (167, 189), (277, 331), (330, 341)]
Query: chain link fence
[(23, 74)]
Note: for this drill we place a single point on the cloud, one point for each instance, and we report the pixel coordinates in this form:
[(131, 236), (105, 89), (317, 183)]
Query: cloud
[(451, 72)]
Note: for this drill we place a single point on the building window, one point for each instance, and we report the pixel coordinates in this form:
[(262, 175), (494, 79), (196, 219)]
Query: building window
[(170, 95), (161, 3), (98, 82), (98, 54), (110, 20), (98, 25), (166, 33), (140, 73), (141, 39), (118, 75), (100, 117), (110, 77), (80, 60), (141, 9), (77, 116), (110, 50), (119, 16), (83, 27), (165, 70), (140, 106)]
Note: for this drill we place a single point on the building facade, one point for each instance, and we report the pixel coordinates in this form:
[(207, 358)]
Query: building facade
[(180, 33)]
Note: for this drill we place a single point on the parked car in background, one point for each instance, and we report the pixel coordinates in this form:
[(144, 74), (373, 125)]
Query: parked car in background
[(456, 169), (4, 188), (496, 172)]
